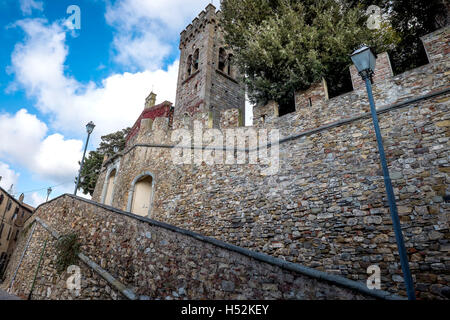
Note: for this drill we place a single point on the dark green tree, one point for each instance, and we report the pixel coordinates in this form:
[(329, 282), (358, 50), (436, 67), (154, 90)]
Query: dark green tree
[(90, 171), (93, 162), (410, 19), (413, 19), (112, 140), (286, 45)]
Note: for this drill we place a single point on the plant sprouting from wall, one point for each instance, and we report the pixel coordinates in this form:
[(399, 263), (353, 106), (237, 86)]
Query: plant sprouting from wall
[(68, 248)]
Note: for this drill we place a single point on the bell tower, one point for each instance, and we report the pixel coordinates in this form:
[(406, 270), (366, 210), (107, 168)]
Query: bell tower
[(208, 81)]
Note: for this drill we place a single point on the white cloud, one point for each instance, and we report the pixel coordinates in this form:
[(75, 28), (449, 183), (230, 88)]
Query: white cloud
[(36, 199), (23, 141), (21, 135), (57, 159), (38, 64), (146, 30), (27, 6), (145, 51), (8, 175)]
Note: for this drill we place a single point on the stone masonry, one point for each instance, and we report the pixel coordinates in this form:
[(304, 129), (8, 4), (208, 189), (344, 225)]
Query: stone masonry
[(202, 87), (158, 261), (326, 207)]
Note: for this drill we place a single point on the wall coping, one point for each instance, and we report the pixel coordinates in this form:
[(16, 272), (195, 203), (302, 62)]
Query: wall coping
[(316, 274)]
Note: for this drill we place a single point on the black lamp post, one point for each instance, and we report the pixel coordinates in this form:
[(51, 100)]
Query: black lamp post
[(49, 190), (89, 128), (364, 61)]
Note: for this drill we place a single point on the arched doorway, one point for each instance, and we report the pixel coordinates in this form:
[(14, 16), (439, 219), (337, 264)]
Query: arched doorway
[(141, 195), (110, 188)]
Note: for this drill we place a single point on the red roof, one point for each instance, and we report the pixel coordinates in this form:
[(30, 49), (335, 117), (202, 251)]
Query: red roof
[(159, 110)]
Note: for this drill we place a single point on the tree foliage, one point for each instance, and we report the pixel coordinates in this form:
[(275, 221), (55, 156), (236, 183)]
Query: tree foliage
[(286, 45), (93, 162), (411, 19), (68, 247)]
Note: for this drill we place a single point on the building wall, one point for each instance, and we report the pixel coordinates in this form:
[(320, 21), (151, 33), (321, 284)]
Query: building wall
[(12, 218), (326, 207), (157, 261)]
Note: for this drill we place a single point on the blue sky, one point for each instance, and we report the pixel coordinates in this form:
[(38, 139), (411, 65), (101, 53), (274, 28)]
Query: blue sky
[(53, 80)]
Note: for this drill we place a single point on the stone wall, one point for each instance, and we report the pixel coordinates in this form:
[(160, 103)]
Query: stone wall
[(158, 261), (326, 207)]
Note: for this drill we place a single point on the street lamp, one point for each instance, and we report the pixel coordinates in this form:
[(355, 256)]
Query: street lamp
[(89, 128), (364, 61), (49, 190)]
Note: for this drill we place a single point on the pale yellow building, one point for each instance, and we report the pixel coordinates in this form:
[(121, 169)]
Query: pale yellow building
[(13, 214)]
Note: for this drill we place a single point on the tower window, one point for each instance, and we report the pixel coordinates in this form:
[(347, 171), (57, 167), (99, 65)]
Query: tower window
[(222, 59), (189, 65), (196, 59), (229, 69)]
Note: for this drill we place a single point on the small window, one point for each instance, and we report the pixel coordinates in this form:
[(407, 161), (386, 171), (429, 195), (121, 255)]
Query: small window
[(222, 59), (8, 207), (196, 59), (16, 236), (1, 229), (9, 234), (1, 198), (15, 214)]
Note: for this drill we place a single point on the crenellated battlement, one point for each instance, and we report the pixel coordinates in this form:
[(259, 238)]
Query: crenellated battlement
[(209, 15), (314, 108)]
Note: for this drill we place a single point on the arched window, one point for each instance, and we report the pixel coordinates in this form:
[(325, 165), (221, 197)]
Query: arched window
[(196, 59), (141, 195), (189, 65), (110, 188), (229, 68), (222, 59)]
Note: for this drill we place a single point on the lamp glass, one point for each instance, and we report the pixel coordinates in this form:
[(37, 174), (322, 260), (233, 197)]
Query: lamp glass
[(363, 59), (90, 127)]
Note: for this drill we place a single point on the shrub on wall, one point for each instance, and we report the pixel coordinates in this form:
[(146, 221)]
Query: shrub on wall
[(68, 247)]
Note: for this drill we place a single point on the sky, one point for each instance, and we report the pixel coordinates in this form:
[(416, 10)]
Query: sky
[(55, 78)]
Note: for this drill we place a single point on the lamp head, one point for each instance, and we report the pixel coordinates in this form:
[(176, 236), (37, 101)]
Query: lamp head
[(90, 127), (364, 60)]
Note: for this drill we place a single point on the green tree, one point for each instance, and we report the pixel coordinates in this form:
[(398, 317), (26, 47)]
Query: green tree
[(413, 19), (410, 19), (93, 162), (286, 45)]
